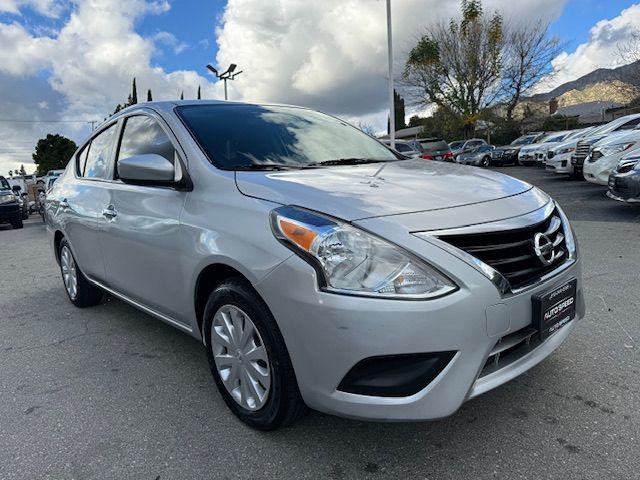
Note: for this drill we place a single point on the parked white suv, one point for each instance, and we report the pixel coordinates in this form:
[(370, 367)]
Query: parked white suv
[(606, 154)]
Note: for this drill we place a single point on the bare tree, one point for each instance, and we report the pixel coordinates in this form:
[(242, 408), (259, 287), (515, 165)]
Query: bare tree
[(457, 65), (526, 59), (479, 61), (366, 128)]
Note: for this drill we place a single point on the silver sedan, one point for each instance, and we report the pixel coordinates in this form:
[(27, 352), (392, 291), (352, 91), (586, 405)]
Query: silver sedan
[(317, 267)]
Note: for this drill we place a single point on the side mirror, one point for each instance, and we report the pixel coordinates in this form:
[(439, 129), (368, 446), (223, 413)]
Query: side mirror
[(16, 188), (149, 168)]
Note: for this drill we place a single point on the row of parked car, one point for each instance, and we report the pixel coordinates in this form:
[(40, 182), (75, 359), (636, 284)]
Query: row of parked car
[(607, 154)]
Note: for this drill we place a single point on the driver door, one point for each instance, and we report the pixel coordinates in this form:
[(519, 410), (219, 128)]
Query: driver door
[(142, 225)]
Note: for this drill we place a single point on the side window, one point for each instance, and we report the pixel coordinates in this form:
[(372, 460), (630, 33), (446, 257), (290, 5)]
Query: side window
[(630, 125), (401, 147), (82, 160), (94, 162), (143, 135)]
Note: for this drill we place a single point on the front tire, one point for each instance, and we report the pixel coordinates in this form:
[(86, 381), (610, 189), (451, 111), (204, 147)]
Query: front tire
[(248, 357), (486, 161), (81, 293), (17, 224)]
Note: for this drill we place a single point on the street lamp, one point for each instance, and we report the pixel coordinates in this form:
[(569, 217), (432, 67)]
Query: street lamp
[(226, 75), (392, 111)]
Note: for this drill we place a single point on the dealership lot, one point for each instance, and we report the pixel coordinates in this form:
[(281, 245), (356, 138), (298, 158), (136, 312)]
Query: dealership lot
[(110, 392)]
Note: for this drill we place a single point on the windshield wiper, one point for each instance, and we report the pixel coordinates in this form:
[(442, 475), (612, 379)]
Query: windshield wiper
[(345, 161), (262, 166)]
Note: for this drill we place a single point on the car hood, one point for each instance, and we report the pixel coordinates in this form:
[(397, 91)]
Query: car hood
[(380, 189), (508, 147), (561, 145), (539, 146), (619, 137)]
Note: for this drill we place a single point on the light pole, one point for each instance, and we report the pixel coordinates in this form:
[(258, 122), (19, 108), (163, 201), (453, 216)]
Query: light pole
[(392, 111), (224, 76)]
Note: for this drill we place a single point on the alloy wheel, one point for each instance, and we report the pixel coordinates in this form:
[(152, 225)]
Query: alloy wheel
[(69, 272), (240, 357)]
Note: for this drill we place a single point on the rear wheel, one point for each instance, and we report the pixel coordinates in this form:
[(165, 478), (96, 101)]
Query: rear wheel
[(248, 358), (79, 290)]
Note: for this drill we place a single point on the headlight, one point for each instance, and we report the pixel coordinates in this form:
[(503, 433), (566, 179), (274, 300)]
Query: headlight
[(627, 164), (349, 260), (7, 197), (563, 151), (617, 148)]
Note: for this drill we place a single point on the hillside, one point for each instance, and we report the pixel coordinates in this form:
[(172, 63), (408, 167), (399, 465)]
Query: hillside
[(597, 85)]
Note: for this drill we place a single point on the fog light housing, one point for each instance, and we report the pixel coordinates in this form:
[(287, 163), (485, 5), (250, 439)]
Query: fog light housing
[(395, 375)]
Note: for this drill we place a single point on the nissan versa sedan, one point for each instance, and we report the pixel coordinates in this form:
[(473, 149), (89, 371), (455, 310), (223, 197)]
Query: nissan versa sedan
[(317, 267)]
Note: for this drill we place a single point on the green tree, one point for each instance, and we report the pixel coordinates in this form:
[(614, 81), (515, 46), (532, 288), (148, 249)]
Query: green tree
[(52, 152), (182, 96), (199, 95), (149, 97), (456, 66), (23, 172)]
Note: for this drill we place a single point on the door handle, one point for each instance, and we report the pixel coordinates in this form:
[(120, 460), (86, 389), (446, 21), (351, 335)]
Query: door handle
[(110, 212)]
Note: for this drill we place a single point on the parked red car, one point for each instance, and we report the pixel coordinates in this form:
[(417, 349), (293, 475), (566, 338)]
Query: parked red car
[(436, 149)]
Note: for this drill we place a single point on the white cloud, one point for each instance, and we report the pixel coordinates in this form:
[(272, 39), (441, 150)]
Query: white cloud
[(332, 55), (170, 40), (49, 8), (88, 64), (600, 51)]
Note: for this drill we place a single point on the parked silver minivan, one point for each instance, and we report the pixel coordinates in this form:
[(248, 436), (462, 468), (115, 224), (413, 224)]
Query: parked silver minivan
[(318, 268)]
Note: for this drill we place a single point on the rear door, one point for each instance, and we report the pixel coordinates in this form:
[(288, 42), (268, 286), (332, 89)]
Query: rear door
[(80, 201), (142, 224)]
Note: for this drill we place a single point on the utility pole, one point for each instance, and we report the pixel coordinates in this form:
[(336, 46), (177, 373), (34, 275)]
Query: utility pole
[(224, 76), (392, 111), (93, 124)]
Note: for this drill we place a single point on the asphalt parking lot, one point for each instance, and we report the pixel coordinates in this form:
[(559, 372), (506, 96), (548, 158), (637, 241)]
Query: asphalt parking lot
[(112, 393)]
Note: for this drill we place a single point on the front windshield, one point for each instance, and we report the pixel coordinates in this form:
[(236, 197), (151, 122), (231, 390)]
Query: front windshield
[(4, 183), (455, 145), (242, 136), (553, 138), (524, 140)]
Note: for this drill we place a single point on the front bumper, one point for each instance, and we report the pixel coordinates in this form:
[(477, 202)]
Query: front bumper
[(503, 157), (625, 187), (328, 334), (598, 172), (560, 164), (10, 212)]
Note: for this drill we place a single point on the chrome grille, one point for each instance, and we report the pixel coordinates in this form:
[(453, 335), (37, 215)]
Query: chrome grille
[(581, 152), (513, 252)]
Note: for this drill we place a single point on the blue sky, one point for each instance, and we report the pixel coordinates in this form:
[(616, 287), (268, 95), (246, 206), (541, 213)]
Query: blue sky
[(192, 22), (578, 16)]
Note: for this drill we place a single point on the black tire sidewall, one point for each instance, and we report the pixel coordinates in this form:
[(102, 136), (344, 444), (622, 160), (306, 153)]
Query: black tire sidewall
[(240, 294), (88, 294)]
